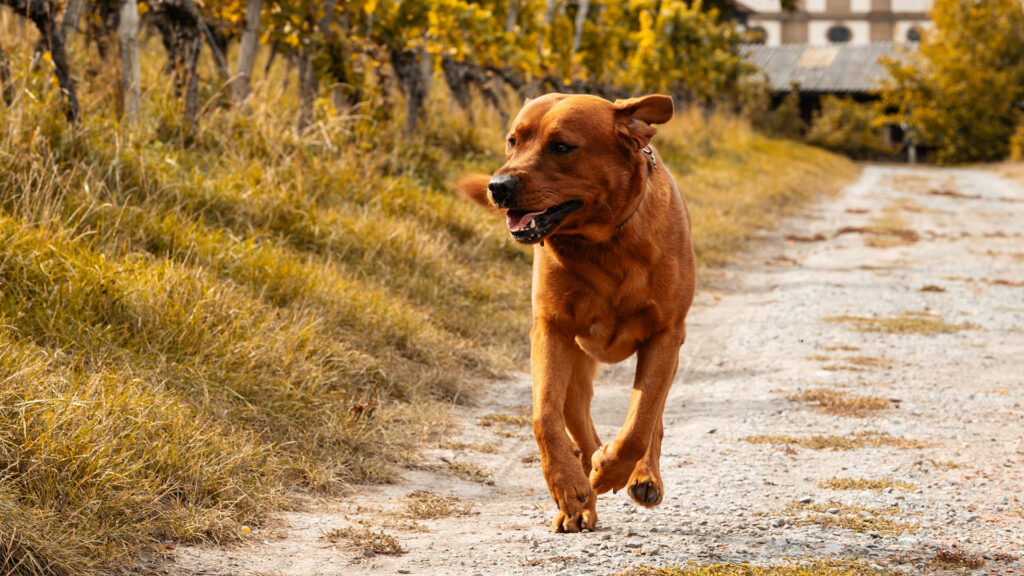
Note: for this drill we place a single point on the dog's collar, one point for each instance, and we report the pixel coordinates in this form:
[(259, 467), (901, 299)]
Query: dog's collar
[(654, 166)]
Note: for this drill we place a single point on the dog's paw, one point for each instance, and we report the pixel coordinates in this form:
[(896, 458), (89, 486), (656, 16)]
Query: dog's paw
[(646, 492), (585, 520), (608, 471), (570, 491)]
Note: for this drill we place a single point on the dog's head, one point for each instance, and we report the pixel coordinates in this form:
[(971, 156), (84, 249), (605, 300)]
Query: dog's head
[(571, 160)]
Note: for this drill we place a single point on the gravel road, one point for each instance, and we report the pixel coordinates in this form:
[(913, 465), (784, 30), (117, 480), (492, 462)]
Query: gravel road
[(830, 309)]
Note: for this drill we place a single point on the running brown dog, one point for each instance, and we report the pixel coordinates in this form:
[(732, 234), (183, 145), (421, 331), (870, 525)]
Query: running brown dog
[(613, 275)]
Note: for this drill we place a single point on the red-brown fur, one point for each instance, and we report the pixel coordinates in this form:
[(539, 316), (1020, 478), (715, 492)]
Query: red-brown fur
[(614, 278)]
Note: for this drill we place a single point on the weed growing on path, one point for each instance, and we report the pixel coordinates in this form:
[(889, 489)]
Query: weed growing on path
[(376, 541), (841, 403), (851, 517), (905, 323), (836, 483), (426, 505), (866, 439), (830, 567)]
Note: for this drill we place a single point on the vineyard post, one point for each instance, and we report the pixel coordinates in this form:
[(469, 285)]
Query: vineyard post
[(247, 53), (128, 36)]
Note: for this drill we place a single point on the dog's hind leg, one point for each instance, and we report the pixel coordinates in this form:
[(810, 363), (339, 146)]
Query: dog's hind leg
[(645, 486), (581, 429)]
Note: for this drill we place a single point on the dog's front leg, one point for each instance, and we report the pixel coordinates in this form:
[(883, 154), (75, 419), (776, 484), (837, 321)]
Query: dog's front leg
[(614, 463), (552, 365)]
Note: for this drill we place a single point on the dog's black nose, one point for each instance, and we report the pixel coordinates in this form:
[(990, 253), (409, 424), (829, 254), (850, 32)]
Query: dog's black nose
[(501, 188)]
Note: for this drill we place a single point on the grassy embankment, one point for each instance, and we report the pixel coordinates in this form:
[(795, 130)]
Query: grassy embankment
[(186, 332)]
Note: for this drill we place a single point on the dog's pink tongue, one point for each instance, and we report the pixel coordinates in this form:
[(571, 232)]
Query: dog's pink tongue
[(517, 220)]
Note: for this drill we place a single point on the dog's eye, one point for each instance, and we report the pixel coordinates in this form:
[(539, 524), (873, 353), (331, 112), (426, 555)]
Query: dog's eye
[(560, 148), (512, 142)]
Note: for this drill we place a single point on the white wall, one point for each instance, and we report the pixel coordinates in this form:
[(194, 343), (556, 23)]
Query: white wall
[(815, 5), (764, 5), (773, 31), (911, 5), (860, 6)]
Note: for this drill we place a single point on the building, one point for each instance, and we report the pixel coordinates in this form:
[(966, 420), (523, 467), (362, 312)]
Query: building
[(824, 22)]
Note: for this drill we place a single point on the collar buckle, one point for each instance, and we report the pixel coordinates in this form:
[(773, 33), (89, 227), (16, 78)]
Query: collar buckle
[(649, 152)]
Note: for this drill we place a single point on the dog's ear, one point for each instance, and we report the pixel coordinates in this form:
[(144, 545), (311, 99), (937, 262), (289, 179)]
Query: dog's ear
[(634, 117), (474, 187)]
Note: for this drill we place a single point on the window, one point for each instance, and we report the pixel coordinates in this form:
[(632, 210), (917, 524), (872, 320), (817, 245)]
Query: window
[(914, 34), (757, 35), (839, 34)]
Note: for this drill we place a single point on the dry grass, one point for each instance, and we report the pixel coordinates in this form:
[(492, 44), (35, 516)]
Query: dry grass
[(1011, 170), (507, 419), (474, 446), (426, 505), (885, 231), (856, 518), (832, 567), (951, 559), (867, 439), (470, 471), (376, 541), (867, 484), (905, 323), (192, 324), (841, 403)]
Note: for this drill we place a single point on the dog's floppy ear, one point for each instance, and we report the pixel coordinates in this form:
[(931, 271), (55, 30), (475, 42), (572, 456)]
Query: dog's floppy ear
[(634, 116), (474, 187)]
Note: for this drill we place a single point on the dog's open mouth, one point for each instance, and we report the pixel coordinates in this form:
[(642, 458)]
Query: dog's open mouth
[(529, 227)]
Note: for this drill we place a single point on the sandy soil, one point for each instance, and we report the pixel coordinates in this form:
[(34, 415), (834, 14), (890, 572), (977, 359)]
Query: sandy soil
[(756, 340)]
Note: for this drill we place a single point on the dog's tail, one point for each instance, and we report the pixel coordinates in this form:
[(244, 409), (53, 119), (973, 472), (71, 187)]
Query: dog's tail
[(474, 187)]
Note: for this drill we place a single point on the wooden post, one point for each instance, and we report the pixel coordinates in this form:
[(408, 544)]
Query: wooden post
[(128, 36), (247, 53)]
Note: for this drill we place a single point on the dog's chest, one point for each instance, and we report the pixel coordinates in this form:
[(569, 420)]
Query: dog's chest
[(611, 324)]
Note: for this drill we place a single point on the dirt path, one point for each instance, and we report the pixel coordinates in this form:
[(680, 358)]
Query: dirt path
[(900, 251)]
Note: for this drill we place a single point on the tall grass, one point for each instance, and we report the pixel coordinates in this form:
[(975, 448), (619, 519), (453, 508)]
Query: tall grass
[(192, 324)]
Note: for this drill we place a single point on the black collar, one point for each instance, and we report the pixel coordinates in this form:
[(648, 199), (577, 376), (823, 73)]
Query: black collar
[(639, 201)]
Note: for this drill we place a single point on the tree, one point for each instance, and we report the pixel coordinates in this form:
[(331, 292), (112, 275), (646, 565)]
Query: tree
[(247, 52), (128, 36), (42, 14), (958, 93)]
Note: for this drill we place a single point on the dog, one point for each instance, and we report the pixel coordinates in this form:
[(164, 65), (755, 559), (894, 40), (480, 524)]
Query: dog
[(613, 276)]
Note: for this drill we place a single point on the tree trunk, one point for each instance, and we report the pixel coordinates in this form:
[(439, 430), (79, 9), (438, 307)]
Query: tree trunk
[(218, 56), (406, 64), (511, 16), (247, 53), (308, 88), (549, 17), (72, 16), (128, 36), (577, 33), (179, 24), (40, 12), (5, 78)]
